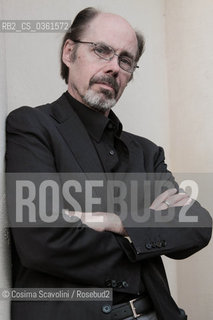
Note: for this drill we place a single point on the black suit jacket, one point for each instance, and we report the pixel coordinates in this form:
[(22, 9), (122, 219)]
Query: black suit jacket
[(51, 138)]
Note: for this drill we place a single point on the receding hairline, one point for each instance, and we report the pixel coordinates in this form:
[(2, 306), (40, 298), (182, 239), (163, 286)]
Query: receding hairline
[(110, 15), (79, 27)]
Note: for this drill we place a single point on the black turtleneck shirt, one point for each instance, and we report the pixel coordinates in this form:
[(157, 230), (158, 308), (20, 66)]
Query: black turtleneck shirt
[(105, 134), (113, 153)]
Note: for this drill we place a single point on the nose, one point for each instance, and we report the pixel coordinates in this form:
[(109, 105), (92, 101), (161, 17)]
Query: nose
[(112, 66)]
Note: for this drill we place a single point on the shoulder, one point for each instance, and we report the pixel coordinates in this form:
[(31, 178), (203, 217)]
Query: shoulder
[(33, 116), (28, 121), (49, 114), (27, 113)]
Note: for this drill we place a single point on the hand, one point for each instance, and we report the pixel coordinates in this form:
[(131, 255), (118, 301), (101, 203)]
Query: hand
[(100, 221), (172, 198)]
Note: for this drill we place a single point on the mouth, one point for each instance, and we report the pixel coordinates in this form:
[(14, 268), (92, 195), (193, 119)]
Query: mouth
[(106, 85)]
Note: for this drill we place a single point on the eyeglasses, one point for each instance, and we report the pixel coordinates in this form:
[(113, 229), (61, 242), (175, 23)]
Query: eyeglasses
[(107, 53)]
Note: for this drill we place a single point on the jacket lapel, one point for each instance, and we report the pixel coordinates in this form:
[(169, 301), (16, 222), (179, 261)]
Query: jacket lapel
[(136, 157), (75, 135)]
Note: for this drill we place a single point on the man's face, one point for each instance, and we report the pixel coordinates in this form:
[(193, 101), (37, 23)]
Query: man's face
[(92, 80)]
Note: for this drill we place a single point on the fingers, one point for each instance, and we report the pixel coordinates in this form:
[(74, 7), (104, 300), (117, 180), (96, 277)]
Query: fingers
[(161, 198), (170, 198), (176, 198), (104, 221), (70, 214), (100, 221), (184, 202), (97, 221)]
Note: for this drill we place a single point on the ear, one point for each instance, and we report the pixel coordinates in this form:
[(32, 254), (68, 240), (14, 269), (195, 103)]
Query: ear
[(67, 50)]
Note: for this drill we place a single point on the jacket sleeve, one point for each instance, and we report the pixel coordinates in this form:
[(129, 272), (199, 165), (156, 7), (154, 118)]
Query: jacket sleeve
[(78, 254), (171, 237)]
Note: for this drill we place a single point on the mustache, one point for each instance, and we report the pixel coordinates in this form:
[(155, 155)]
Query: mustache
[(108, 80)]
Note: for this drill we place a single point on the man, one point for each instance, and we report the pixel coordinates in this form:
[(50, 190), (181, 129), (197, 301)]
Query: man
[(79, 133)]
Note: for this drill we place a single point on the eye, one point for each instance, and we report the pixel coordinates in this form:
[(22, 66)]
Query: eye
[(126, 61), (103, 50)]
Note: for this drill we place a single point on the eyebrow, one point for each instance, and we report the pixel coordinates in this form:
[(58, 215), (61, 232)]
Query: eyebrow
[(123, 53), (126, 54)]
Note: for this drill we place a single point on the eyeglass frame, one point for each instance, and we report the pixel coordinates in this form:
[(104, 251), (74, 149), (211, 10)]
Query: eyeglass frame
[(107, 59)]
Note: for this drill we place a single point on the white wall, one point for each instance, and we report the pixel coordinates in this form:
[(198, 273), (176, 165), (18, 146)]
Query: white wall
[(189, 26)]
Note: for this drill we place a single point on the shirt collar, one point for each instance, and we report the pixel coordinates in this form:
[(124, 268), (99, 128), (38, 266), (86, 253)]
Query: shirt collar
[(95, 122)]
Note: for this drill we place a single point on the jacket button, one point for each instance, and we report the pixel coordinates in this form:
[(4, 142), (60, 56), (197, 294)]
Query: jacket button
[(112, 152), (159, 244), (125, 284), (108, 283), (119, 284), (114, 283), (106, 308), (153, 245), (164, 244), (148, 245)]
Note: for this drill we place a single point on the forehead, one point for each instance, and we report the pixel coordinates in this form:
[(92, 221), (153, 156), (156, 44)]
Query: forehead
[(114, 31)]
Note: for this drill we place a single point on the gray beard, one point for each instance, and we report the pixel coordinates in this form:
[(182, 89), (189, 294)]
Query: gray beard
[(101, 102)]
